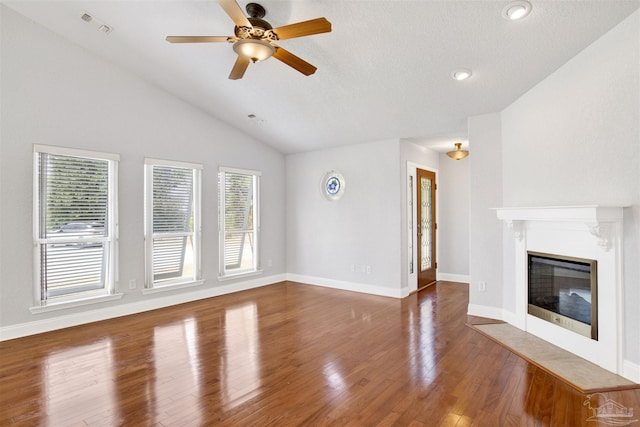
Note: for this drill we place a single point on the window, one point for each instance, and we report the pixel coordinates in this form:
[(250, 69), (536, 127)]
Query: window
[(239, 221), (75, 224), (172, 223)]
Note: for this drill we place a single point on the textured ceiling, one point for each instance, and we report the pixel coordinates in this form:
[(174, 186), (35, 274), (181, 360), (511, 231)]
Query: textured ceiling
[(383, 72)]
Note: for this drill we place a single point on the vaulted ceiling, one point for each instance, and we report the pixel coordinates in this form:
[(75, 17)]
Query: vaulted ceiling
[(383, 72)]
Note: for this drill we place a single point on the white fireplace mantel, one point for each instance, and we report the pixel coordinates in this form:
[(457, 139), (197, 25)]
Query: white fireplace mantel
[(585, 214), (597, 219), (589, 232)]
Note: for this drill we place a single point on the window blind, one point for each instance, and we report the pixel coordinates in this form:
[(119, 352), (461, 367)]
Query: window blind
[(239, 231), (237, 216), (172, 256), (73, 224)]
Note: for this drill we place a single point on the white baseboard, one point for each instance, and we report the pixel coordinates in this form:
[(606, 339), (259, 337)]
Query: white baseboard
[(349, 286), (450, 277), (631, 371), (511, 318), (65, 321), (486, 311), (496, 313)]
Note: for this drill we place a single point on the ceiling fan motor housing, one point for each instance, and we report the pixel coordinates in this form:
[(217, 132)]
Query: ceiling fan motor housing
[(257, 32), (260, 29)]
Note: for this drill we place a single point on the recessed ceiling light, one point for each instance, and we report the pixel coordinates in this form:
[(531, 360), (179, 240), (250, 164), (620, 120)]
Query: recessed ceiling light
[(516, 10), (461, 74)]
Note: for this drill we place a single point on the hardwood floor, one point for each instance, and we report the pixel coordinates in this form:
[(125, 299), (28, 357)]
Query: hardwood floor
[(286, 355)]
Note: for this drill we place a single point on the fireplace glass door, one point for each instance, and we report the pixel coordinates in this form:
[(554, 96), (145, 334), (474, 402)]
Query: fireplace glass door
[(562, 290)]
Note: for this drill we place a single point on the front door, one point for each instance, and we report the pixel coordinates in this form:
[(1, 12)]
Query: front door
[(426, 238)]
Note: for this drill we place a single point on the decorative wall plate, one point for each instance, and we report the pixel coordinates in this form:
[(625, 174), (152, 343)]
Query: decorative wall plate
[(333, 185)]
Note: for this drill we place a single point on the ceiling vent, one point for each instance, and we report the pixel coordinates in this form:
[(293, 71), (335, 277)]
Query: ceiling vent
[(96, 23), (105, 28)]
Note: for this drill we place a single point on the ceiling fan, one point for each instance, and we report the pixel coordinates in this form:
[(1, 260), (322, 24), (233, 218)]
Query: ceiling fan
[(254, 38)]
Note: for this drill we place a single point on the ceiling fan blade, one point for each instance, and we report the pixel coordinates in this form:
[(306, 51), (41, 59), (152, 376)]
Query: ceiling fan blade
[(301, 29), (293, 61), (235, 13), (197, 39), (239, 68)]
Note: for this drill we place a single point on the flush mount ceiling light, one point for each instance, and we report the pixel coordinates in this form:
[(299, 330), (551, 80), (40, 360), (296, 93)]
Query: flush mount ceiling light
[(458, 153), (516, 10), (461, 74)]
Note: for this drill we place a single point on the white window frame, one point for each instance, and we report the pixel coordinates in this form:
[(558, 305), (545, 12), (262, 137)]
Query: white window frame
[(72, 299), (150, 285), (255, 268)]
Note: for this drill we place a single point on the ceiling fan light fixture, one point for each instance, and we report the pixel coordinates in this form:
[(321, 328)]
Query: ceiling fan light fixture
[(253, 49), (517, 10), (458, 153)]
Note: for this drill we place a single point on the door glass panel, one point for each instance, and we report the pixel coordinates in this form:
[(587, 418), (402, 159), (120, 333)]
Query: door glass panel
[(412, 216), (426, 221)]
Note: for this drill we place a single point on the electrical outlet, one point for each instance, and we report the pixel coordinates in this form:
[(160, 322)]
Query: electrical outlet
[(132, 284), (482, 286), (368, 269)]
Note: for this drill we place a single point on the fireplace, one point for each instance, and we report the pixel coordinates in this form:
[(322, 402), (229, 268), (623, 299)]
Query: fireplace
[(563, 290), (572, 240)]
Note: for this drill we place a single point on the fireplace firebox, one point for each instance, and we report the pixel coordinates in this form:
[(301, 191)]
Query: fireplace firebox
[(563, 291)]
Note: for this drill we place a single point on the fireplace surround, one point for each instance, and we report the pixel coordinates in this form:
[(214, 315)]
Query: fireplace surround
[(592, 234)]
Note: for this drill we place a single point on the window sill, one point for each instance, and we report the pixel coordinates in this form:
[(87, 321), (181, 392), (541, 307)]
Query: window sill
[(164, 288), (62, 305), (239, 275)]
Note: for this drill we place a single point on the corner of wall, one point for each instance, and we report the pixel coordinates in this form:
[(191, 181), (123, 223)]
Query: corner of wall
[(485, 193)]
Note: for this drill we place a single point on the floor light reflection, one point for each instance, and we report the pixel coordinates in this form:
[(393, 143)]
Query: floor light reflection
[(421, 343), (76, 381), (334, 378), (240, 367), (177, 364)]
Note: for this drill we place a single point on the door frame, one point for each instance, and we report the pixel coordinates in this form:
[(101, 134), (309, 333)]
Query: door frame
[(412, 222)]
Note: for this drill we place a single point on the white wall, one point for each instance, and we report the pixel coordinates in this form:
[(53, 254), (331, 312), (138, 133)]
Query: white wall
[(1, 179), (575, 139), (333, 243), (453, 222), (572, 139), (330, 242), (56, 93), (485, 231)]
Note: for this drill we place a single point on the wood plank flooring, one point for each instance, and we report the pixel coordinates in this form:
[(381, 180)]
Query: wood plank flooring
[(287, 355)]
